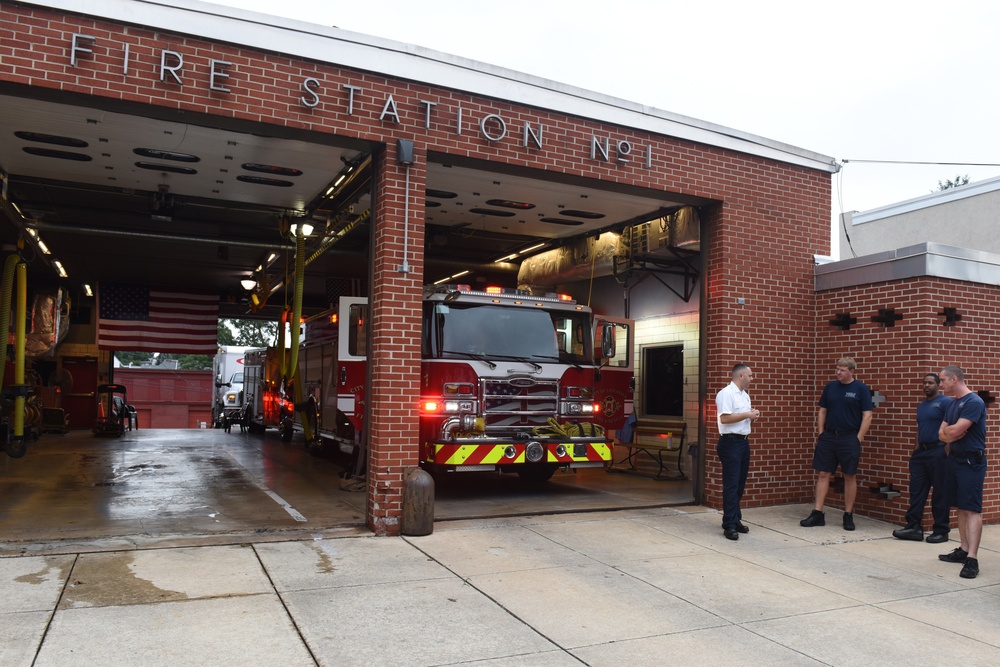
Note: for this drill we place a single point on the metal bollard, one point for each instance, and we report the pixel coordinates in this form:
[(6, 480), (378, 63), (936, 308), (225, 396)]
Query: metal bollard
[(418, 503)]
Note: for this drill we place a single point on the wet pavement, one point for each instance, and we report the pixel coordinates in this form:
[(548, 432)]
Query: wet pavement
[(160, 487), (152, 483), (638, 587)]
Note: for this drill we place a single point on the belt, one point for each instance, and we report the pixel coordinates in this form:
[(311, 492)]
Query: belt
[(837, 431), (741, 436), (929, 445), (976, 456)]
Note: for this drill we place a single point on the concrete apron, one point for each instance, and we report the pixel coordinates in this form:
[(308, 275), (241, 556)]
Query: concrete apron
[(639, 587)]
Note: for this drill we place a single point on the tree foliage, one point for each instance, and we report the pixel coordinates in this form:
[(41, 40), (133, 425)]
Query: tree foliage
[(192, 362), (252, 333), (226, 334), (949, 184)]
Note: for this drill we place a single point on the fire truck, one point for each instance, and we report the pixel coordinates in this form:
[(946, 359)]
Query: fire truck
[(510, 381)]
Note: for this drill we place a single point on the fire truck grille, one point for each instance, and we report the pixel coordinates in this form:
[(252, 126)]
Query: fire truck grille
[(518, 404)]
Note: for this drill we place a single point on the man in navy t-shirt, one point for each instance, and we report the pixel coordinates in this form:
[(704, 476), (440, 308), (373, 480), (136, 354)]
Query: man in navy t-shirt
[(845, 413), (927, 465), (964, 429)]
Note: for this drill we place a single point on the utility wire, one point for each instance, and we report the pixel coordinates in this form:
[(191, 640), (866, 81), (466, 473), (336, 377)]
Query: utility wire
[(945, 164)]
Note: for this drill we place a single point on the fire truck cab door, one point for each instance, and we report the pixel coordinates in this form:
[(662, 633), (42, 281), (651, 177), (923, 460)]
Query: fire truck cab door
[(352, 351), (614, 391)]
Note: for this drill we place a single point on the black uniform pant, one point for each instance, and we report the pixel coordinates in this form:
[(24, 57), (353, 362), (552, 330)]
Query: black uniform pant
[(927, 469), (734, 454)]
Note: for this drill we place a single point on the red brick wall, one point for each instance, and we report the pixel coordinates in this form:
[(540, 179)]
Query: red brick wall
[(761, 249), (893, 361), (772, 219)]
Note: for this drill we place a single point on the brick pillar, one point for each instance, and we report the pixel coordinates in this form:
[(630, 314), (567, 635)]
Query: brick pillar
[(759, 254), (395, 330)]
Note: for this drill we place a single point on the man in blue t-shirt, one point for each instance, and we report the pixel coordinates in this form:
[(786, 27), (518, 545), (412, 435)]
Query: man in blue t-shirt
[(845, 413), (927, 464), (964, 429)]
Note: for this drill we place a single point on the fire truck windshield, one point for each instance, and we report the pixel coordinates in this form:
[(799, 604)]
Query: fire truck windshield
[(484, 331)]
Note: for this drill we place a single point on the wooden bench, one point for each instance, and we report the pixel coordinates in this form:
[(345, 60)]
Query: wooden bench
[(654, 438)]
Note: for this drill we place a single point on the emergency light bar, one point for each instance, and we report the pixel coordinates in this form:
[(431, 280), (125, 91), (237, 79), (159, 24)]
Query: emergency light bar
[(509, 292)]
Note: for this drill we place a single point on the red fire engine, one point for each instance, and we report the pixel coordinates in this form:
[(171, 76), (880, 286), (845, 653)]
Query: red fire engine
[(511, 381)]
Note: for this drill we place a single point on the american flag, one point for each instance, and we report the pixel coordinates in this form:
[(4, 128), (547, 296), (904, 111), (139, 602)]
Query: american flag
[(139, 318)]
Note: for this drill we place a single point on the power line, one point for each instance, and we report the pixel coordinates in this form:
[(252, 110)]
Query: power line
[(944, 164)]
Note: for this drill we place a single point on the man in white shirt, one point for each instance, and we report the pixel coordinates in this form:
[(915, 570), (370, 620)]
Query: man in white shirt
[(735, 417)]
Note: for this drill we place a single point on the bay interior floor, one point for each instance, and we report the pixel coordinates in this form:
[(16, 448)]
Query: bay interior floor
[(159, 486)]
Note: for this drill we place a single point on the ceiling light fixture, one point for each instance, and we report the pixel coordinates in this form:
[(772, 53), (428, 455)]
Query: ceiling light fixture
[(88, 290), (59, 268), (248, 283), (306, 228)]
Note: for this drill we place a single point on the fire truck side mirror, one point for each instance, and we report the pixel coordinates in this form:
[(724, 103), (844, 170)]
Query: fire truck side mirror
[(608, 340)]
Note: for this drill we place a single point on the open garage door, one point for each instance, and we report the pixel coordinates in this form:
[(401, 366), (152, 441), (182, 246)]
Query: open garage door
[(128, 194)]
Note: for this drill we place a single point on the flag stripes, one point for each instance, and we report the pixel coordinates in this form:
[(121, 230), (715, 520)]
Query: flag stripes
[(137, 318)]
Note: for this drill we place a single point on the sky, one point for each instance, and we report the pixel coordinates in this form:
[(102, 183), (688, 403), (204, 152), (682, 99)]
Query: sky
[(865, 82)]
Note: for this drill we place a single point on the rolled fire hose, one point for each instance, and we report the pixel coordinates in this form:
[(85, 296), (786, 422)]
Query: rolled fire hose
[(569, 429)]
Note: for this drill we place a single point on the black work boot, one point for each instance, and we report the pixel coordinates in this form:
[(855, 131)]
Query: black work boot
[(816, 518)]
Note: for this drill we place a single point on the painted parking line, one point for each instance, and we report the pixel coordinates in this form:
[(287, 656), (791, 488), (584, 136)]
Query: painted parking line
[(294, 513)]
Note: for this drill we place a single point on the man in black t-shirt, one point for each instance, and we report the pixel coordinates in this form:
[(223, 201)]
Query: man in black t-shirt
[(845, 413)]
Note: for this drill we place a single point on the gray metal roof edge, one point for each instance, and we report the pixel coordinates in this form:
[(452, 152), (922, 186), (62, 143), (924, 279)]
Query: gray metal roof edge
[(416, 63), (927, 201), (923, 259)]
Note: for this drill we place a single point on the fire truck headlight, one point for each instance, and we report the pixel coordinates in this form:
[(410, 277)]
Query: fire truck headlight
[(510, 451), (534, 451), (455, 407), (588, 408), (561, 450), (574, 408)]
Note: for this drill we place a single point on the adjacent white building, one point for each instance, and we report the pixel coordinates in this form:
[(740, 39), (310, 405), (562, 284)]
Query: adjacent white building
[(965, 216)]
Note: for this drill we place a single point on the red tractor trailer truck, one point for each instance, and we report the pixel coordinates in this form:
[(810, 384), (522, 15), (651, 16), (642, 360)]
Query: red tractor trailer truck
[(510, 381)]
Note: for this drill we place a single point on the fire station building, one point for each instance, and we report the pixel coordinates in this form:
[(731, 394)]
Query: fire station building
[(173, 143)]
